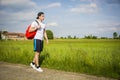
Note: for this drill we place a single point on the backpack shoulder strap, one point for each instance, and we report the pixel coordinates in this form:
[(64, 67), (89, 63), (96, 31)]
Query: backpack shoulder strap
[(37, 22)]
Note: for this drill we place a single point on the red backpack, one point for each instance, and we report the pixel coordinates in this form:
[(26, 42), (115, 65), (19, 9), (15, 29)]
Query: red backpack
[(30, 35)]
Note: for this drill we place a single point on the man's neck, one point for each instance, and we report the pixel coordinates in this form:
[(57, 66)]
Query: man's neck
[(39, 20)]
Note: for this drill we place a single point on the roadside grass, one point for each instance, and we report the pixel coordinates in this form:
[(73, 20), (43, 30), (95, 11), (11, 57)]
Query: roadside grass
[(95, 57)]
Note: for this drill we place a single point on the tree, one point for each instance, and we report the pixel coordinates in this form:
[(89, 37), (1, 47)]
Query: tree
[(0, 34), (104, 38), (4, 32), (115, 35), (69, 37), (49, 34), (90, 37), (75, 37), (94, 37), (61, 37), (119, 37)]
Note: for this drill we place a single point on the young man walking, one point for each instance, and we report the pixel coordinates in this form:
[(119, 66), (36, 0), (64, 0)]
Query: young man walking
[(38, 39)]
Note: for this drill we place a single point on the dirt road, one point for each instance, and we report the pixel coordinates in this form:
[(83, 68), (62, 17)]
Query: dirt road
[(10, 71)]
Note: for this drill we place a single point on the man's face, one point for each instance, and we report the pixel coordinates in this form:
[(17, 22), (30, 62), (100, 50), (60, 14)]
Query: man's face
[(41, 17)]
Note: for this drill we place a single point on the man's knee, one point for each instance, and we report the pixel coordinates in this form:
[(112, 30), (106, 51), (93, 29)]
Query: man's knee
[(37, 53)]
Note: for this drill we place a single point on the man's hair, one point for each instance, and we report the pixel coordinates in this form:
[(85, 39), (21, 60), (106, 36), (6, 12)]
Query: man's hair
[(39, 14)]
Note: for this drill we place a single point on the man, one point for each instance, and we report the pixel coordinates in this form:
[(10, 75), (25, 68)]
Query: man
[(38, 39)]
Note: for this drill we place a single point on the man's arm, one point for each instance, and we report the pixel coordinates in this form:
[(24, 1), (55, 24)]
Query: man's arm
[(45, 35), (32, 29), (34, 26)]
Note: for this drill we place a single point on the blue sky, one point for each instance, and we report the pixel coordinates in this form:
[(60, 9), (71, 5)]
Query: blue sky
[(64, 17)]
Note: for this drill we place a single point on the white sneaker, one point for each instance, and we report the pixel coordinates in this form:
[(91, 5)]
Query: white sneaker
[(39, 69), (33, 66)]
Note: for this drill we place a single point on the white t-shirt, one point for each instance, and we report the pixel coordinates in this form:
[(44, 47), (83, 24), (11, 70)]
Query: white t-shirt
[(40, 32)]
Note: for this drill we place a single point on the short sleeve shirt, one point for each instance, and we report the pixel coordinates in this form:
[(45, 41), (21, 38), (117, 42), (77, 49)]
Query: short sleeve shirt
[(40, 32)]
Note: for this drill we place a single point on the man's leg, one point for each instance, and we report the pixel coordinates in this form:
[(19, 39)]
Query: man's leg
[(37, 54), (36, 58)]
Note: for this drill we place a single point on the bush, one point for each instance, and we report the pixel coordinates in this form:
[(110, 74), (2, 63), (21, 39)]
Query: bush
[(49, 34)]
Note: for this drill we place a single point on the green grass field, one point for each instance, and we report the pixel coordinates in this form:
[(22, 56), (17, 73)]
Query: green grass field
[(96, 57)]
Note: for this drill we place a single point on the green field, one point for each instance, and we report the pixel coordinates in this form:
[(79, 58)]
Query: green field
[(96, 57)]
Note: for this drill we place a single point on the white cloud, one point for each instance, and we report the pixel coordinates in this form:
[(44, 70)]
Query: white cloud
[(16, 17), (89, 0), (18, 14), (25, 15), (88, 8), (73, 0), (18, 2), (111, 27), (16, 10), (53, 5), (54, 24)]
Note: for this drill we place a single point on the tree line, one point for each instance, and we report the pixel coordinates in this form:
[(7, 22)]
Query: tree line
[(51, 36), (115, 36)]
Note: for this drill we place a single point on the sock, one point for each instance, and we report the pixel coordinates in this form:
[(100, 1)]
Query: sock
[(33, 63), (38, 66)]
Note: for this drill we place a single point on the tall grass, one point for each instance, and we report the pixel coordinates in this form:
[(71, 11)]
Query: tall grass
[(98, 57)]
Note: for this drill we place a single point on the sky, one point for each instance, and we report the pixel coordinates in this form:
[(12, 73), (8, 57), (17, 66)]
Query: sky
[(64, 17)]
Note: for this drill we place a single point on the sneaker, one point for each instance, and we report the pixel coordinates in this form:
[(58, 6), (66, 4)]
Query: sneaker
[(39, 69), (33, 66)]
